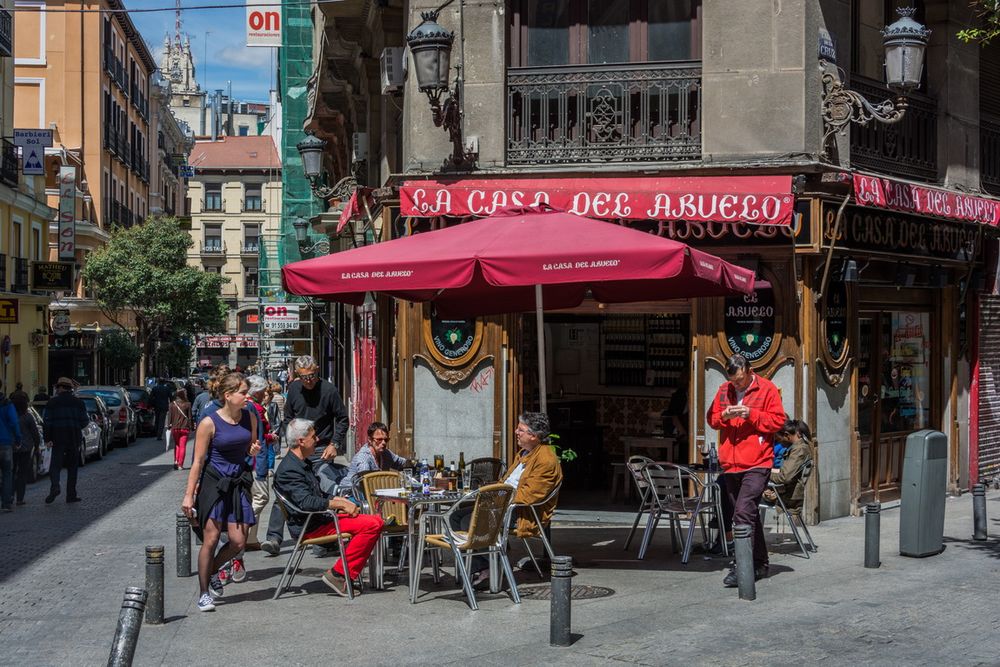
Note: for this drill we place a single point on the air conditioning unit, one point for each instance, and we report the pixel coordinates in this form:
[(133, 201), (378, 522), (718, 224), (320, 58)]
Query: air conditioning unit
[(359, 152), (392, 69)]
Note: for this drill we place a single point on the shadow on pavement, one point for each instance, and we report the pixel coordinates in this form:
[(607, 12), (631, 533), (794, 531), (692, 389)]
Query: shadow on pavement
[(35, 528), (990, 547)]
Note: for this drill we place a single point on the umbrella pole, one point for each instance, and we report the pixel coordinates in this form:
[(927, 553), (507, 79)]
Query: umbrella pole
[(540, 326)]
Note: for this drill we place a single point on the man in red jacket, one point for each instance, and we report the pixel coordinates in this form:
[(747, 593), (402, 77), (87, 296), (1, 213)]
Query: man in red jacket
[(747, 412)]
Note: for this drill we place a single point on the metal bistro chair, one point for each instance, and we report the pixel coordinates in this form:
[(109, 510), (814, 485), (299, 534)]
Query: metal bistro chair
[(394, 514), (484, 471), (541, 529), (635, 466), (793, 513), (487, 536), (295, 558), (667, 494)]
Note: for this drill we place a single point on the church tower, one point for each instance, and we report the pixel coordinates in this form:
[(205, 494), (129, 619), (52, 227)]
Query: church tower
[(187, 99)]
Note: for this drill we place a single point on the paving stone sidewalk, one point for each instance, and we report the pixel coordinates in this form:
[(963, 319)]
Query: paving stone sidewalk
[(65, 567)]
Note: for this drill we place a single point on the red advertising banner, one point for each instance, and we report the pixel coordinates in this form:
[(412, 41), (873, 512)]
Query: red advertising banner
[(912, 198), (761, 200)]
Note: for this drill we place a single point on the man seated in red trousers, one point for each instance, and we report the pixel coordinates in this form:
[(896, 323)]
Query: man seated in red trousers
[(296, 480)]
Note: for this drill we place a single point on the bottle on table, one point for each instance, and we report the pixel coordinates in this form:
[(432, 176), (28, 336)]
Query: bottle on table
[(425, 478), (713, 459), (461, 470)]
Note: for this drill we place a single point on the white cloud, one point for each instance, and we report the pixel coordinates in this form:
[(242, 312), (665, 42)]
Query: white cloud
[(243, 57)]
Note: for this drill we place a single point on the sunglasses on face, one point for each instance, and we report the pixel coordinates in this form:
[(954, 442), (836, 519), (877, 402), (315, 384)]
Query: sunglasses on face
[(308, 378), (380, 439)]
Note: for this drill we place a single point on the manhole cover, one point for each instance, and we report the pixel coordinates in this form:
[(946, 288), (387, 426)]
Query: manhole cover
[(580, 592)]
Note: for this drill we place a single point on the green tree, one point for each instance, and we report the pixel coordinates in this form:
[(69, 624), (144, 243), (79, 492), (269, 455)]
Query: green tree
[(119, 350), (988, 22), (174, 358), (143, 270)]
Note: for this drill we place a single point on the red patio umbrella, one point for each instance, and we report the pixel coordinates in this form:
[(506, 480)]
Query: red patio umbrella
[(519, 260)]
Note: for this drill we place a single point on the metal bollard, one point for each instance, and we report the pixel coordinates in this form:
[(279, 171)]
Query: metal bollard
[(183, 546), (129, 624), (742, 536), (873, 533), (154, 585), (560, 600), (979, 513)]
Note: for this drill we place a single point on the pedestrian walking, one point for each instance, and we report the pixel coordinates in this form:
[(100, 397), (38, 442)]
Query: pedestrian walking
[(41, 395), (217, 498), (10, 436), (30, 440), (19, 396), (747, 412), (313, 398), (180, 423), (161, 396), (283, 378), (64, 420), (264, 462), (275, 406)]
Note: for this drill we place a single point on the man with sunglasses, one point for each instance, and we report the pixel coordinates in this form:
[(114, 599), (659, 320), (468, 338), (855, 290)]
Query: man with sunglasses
[(313, 398)]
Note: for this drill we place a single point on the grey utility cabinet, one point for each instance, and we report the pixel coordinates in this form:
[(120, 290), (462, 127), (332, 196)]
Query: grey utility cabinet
[(921, 508)]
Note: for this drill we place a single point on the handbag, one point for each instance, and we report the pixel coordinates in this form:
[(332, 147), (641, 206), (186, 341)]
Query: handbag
[(168, 440)]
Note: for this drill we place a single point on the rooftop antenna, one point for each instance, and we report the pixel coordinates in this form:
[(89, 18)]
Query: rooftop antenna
[(177, 22)]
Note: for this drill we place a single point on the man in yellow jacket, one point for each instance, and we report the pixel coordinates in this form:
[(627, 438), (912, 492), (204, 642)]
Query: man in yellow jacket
[(534, 473)]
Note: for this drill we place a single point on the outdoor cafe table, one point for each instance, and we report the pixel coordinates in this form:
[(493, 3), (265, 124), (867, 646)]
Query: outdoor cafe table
[(416, 503)]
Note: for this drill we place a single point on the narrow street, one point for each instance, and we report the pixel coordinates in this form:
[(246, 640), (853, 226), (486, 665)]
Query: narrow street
[(67, 566)]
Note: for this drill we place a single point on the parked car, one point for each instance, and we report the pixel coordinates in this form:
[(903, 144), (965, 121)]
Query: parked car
[(122, 413), (101, 413), (92, 442), (143, 404), (42, 456)]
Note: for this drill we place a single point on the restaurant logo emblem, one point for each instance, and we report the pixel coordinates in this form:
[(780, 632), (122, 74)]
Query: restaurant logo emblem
[(750, 324), (452, 342)]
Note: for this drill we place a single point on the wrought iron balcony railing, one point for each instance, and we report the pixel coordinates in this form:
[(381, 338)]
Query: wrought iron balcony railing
[(604, 113), (907, 148), (8, 164), (20, 283), (3, 272), (6, 34), (989, 153)]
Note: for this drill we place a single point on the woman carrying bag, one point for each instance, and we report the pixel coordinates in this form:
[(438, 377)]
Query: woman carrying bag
[(179, 425)]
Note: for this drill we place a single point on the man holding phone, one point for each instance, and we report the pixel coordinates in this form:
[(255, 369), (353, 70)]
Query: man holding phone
[(747, 412)]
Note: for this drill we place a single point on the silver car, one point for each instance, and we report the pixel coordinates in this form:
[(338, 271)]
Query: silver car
[(122, 414)]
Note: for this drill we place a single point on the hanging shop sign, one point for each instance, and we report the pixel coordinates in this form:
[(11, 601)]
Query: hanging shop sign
[(452, 342), (759, 200), (52, 276), (67, 213), (75, 340), (223, 341), (263, 23), (283, 316), (871, 230), (60, 322), (751, 325), (920, 199), (8, 311)]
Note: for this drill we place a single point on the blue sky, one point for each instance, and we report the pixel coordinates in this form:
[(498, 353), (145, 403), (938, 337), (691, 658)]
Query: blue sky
[(252, 70)]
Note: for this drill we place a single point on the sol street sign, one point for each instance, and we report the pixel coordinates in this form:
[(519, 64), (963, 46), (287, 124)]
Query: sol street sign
[(33, 144)]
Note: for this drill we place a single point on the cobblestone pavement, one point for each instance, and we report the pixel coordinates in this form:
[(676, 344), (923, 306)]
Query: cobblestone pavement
[(65, 567)]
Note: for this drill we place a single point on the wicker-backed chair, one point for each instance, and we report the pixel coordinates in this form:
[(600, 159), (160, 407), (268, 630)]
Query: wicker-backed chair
[(484, 471), (394, 515), (635, 465), (541, 529), (793, 513), (295, 558), (487, 536)]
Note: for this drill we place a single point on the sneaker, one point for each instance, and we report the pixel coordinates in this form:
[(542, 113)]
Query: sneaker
[(238, 573), (206, 603), (336, 582), (223, 573), (270, 547), (731, 582), (481, 580), (215, 586)]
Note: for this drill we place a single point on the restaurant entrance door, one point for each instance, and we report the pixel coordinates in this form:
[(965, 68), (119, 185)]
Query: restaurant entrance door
[(893, 397)]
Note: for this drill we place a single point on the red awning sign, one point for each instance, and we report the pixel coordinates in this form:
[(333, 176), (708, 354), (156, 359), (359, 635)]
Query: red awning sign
[(762, 200), (912, 198)]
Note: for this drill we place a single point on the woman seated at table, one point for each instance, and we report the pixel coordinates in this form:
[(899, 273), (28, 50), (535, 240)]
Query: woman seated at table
[(796, 436), (374, 456)]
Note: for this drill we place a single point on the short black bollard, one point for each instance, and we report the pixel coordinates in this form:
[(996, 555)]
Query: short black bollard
[(979, 513), (560, 600), (154, 585), (743, 548), (873, 533), (183, 546), (129, 624)]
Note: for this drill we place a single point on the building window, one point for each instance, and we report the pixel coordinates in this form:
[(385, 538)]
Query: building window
[(186, 102), (565, 32), (870, 17), (213, 196), (250, 282), (251, 238), (214, 268), (213, 238), (244, 130), (252, 201), (36, 243)]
